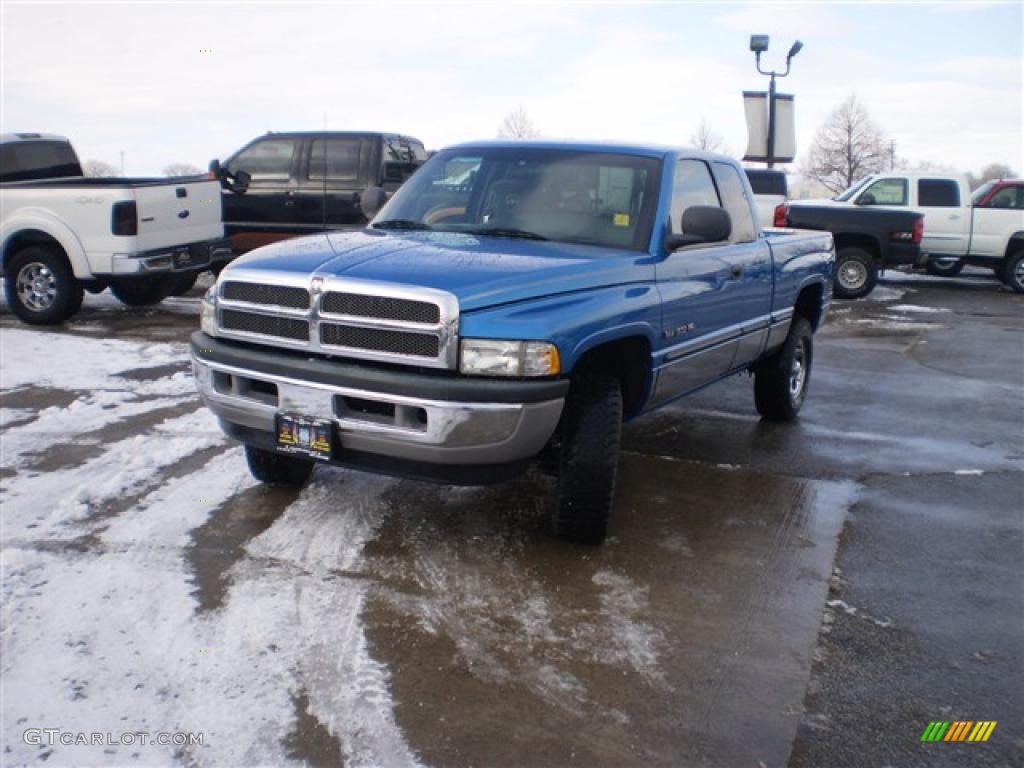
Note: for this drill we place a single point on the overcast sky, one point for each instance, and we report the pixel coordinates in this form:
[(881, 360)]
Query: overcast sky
[(185, 82)]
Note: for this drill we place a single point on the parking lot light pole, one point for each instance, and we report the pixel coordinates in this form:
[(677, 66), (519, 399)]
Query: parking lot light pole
[(759, 44)]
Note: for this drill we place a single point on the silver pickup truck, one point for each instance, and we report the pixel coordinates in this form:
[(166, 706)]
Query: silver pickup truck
[(62, 233)]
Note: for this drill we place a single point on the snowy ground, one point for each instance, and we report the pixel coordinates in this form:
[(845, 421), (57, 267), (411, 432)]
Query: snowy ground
[(148, 584)]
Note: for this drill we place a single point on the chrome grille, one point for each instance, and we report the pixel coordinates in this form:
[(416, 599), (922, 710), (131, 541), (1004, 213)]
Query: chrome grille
[(340, 316), (379, 340), (261, 293), (380, 307), (265, 325)]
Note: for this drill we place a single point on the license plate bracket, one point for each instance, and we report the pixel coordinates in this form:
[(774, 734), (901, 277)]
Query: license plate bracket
[(304, 435)]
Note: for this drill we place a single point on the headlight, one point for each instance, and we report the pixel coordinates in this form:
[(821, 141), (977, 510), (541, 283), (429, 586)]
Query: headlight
[(490, 357), (208, 312)]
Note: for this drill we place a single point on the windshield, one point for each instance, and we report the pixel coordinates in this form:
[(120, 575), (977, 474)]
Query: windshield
[(570, 196), (981, 191), (851, 191)]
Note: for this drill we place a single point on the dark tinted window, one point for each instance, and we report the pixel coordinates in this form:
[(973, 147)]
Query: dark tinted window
[(338, 159), (734, 199), (938, 193), (692, 186), (765, 182), (270, 159), (31, 160)]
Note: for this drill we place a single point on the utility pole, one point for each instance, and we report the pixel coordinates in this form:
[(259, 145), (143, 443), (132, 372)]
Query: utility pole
[(122, 162)]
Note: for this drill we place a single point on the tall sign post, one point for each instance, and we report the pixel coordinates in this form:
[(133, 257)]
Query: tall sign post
[(776, 141)]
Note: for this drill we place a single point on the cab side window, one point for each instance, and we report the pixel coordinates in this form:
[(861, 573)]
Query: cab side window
[(1007, 198), (692, 185), (335, 159), (938, 193), (735, 202), (885, 192), (268, 160)]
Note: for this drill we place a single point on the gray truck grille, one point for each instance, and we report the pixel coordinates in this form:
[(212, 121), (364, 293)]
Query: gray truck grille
[(380, 340), (266, 325), (381, 307), (260, 293), (341, 317)]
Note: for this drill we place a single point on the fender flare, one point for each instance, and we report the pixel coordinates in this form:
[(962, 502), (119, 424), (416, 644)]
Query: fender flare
[(40, 220)]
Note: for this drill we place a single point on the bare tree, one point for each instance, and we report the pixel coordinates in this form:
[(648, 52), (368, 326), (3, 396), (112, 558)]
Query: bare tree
[(517, 125), (847, 147), (97, 169), (706, 138), (181, 169), (991, 172)]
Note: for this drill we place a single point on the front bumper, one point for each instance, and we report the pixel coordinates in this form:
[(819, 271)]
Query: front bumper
[(436, 427), (183, 258)]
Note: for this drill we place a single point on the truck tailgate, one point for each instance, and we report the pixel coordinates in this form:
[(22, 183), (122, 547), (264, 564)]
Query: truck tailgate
[(178, 212)]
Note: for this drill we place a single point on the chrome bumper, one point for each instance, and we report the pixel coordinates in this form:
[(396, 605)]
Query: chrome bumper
[(185, 258), (378, 423)]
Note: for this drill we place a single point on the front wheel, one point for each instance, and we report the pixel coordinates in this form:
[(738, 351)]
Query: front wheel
[(780, 386), (947, 269), (589, 459), (856, 273), (142, 291), (277, 469), (40, 286), (1013, 271)]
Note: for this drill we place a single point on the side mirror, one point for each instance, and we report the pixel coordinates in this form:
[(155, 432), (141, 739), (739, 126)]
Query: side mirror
[(867, 199), (372, 200), (701, 224), (240, 182), (216, 172)]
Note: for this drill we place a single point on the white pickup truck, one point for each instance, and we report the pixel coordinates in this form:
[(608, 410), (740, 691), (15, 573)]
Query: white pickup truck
[(62, 233), (985, 229)]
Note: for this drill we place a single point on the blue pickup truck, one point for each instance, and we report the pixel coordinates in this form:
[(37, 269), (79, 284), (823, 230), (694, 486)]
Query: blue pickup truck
[(514, 300)]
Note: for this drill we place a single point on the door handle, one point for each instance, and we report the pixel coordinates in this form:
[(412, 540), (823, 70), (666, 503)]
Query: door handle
[(954, 216), (736, 270)]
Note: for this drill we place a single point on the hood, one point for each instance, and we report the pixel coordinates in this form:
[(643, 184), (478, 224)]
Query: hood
[(481, 271)]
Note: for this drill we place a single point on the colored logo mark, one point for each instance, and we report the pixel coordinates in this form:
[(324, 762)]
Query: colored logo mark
[(959, 730)]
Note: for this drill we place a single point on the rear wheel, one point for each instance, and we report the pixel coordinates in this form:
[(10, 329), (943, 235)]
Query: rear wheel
[(780, 386), (856, 273), (589, 459), (276, 469), (40, 286), (142, 291), (183, 282), (1013, 271), (944, 269)]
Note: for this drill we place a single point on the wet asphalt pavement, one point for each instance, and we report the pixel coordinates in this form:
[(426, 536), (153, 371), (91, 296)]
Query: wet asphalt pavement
[(809, 594)]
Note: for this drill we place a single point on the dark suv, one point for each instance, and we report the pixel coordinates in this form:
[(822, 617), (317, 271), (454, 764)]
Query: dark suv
[(286, 184)]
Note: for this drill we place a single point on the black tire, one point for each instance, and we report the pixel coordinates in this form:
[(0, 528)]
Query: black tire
[(183, 283), (778, 394), (949, 269), (1013, 271), (40, 286), (856, 273), (591, 435), (142, 291), (277, 469)]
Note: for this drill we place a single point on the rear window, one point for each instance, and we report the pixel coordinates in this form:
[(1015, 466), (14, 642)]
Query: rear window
[(767, 182), (33, 160), (938, 193)]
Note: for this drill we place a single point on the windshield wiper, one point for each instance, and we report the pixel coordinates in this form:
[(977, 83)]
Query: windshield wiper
[(505, 232), (400, 224)]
